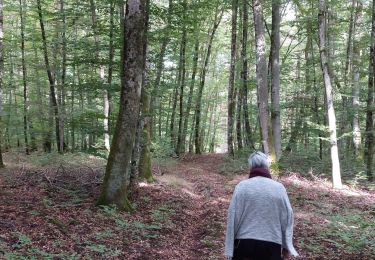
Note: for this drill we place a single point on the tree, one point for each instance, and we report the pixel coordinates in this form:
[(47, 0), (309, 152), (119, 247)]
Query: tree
[(51, 79), (261, 74), (369, 143), (180, 149), (275, 75), (336, 175), (231, 98), (1, 78), (116, 179)]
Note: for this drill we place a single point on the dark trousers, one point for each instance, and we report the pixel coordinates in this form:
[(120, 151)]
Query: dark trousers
[(251, 249)]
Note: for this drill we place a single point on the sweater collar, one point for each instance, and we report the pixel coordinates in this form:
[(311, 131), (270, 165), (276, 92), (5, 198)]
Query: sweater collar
[(260, 172)]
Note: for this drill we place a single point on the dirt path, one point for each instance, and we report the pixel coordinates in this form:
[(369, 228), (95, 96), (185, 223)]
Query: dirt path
[(198, 177)]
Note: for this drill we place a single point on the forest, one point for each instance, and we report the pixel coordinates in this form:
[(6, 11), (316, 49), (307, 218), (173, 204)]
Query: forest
[(126, 124)]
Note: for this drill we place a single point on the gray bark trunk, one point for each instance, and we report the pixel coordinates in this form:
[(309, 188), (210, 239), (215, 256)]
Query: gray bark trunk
[(336, 175), (181, 142), (231, 101), (24, 80), (356, 60), (116, 180), (369, 143), (244, 55), (50, 76), (261, 74), (1, 79), (275, 74)]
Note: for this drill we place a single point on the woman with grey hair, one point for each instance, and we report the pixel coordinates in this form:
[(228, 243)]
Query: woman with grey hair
[(260, 217)]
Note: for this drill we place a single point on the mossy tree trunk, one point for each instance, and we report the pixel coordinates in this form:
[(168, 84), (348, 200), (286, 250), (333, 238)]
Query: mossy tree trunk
[(116, 180)]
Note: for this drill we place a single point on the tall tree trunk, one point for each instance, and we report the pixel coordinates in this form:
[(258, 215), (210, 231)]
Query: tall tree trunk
[(63, 78), (248, 131), (50, 76), (1, 79), (231, 99), (107, 97), (24, 80), (116, 179), (198, 140), (239, 119), (275, 75), (191, 87), (173, 116), (144, 168), (336, 175), (261, 74), (369, 143), (355, 81), (181, 142)]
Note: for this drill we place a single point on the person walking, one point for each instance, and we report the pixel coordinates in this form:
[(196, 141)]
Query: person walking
[(260, 217)]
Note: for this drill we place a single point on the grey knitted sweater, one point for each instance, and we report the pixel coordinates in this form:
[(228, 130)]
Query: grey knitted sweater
[(260, 209)]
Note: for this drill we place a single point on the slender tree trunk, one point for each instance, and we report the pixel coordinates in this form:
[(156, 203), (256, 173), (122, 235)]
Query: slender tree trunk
[(231, 99), (369, 143), (116, 180), (261, 73), (248, 131), (50, 76), (24, 80), (173, 116), (63, 79), (239, 119), (355, 81), (275, 75), (1, 79), (191, 87), (106, 95), (336, 175), (198, 140), (181, 142), (144, 168)]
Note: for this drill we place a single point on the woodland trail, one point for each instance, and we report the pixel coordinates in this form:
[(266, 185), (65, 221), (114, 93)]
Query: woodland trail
[(50, 213)]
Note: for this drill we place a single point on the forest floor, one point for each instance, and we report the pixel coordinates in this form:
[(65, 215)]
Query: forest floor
[(47, 211)]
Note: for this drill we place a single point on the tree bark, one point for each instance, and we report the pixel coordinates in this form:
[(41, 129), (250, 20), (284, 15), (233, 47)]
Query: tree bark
[(1, 79), (191, 87), (62, 104), (107, 97), (116, 179), (261, 74), (275, 75), (144, 168), (245, 107), (369, 142), (181, 142), (51, 80), (336, 175), (231, 100), (356, 62), (24, 80)]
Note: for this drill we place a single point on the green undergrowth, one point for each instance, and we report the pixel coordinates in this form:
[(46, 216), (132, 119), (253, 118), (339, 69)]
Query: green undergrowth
[(349, 233)]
